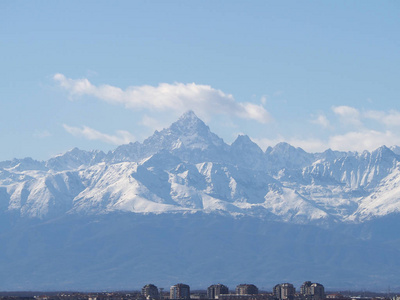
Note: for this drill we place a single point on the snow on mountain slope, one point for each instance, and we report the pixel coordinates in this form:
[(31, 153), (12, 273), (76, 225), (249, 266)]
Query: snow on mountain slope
[(149, 187), (188, 138), (23, 164), (292, 206), (113, 188), (285, 156), (48, 195), (128, 152), (75, 159), (384, 200), (187, 168), (363, 170)]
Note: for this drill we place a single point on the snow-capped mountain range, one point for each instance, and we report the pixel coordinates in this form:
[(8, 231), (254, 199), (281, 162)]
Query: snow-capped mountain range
[(187, 169), (183, 206)]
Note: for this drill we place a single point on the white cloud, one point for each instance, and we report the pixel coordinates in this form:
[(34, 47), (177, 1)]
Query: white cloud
[(322, 121), (264, 100), (363, 140), (365, 137), (351, 141), (178, 97), (375, 115), (391, 118), (346, 111), (309, 145), (121, 136), (252, 111), (348, 114)]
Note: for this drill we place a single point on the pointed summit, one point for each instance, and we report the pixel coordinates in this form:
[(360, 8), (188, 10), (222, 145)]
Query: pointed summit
[(382, 150), (189, 138), (189, 123), (284, 155), (244, 152), (75, 158), (383, 155), (243, 144), (189, 115), (192, 132), (187, 133)]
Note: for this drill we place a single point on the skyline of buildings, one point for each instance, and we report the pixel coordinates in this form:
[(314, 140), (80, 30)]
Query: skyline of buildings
[(282, 291)]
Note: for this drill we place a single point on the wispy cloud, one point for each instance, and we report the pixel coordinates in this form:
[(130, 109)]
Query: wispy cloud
[(391, 118), (322, 120), (350, 141), (264, 99), (348, 114), (351, 128), (121, 136), (363, 140), (178, 97)]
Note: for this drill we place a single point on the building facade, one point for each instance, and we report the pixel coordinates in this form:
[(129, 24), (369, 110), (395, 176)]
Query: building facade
[(215, 290), (317, 291), (305, 288), (246, 289), (284, 291), (150, 291), (179, 291), (312, 291)]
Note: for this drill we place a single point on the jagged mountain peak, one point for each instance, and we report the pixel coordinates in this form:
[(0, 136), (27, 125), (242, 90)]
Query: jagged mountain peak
[(243, 142), (187, 132), (286, 147), (244, 152), (189, 116), (379, 154), (285, 156), (382, 151), (75, 158), (184, 135), (243, 138), (331, 155), (189, 123), (384, 155), (74, 150)]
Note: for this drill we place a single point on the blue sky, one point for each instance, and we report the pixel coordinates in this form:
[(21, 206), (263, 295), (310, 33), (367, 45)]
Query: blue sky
[(95, 74)]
